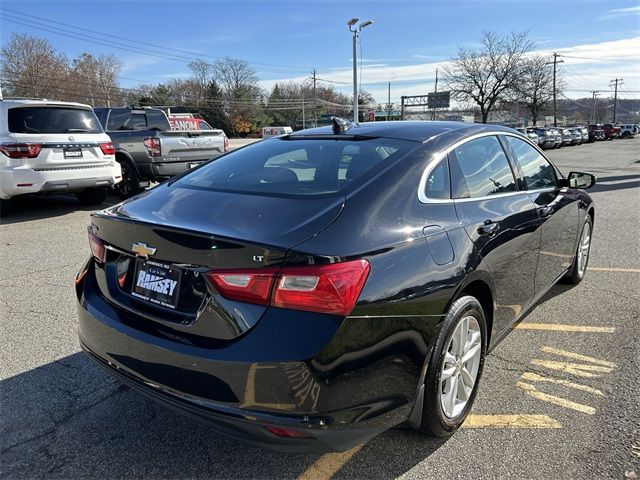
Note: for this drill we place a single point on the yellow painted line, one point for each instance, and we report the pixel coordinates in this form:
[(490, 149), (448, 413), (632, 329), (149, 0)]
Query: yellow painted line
[(511, 421), (534, 377), (553, 254), (328, 465), (561, 327), (576, 369), (614, 269), (576, 356), (562, 402)]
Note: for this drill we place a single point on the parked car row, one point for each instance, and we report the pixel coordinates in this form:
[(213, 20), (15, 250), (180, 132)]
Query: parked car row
[(47, 146), (556, 137)]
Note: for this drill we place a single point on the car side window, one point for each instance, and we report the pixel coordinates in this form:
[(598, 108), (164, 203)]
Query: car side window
[(480, 168), (118, 119), (438, 186), (123, 119), (538, 172), (156, 119)]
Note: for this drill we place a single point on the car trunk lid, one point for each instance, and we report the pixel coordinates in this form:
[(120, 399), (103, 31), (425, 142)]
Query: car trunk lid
[(161, 244)]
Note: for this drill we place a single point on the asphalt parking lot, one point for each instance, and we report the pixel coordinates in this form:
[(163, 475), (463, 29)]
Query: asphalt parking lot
[(559, 396)]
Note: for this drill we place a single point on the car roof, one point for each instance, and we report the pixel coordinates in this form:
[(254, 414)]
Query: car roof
[(418, 131), (13, 102)]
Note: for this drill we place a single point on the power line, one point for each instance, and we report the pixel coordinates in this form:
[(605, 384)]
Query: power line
[(602, 59), (13, 13)]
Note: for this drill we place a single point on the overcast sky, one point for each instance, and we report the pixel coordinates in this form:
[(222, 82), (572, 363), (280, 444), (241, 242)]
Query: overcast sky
[(155, 40)]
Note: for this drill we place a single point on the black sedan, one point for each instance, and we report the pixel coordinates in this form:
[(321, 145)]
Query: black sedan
[(312, 290)]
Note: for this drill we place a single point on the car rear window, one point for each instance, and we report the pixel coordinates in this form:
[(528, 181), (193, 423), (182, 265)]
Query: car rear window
[(52, 120), (301, 167)]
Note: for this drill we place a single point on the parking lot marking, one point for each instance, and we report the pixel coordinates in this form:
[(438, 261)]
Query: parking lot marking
[(577, 369), (562, 402), (561, 327), (511, 421), (329, 464), (614, 269), (577, 356), (554, 254), (534, 377)]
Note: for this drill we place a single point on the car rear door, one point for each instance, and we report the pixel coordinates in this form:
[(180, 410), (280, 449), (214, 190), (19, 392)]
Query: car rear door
[(557, 210), (500, 219)]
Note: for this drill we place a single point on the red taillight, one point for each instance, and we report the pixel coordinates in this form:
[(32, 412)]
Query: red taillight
[(332, 289), (108, 148), (153, 146), (95, 244), (287, 432), (253, 286), (21, 150), (226, 144)]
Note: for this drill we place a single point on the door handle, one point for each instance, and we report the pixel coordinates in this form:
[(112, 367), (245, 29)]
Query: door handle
[(545, 211), (489, 227)]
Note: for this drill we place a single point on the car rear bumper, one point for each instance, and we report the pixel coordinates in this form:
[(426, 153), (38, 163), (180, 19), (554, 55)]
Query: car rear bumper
[(22, 180), (173, 168), (244, 424), (270, 380)]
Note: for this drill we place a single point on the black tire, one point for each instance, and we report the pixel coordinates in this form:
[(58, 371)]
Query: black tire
[(92, 196), (5, 207), (434, 421), (574, 276), (130, 183)]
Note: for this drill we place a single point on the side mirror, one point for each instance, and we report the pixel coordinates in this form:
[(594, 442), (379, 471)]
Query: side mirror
[(580, 180)]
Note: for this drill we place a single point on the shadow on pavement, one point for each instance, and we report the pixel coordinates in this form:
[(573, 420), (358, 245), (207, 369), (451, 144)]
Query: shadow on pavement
[(68, 419), (625, 182), (36, 207)]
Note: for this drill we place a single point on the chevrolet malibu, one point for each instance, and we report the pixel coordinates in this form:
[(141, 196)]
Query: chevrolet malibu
[(309, 291)]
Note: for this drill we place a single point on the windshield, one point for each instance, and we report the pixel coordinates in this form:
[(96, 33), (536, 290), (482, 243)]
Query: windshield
[(296, 167), (52, 120)]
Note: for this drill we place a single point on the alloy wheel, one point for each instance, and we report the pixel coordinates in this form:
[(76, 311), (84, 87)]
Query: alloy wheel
[(583, 249), (460, 366)]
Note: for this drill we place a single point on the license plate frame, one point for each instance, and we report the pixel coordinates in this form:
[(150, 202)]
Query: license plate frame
[(72, 152), (153, 283)]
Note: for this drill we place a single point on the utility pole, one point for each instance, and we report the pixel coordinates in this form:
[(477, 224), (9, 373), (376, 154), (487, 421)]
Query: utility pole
[(304, 123), (592, 119), (555, 62), (616, 82), (315, 101), (435, 89), (389, 103)]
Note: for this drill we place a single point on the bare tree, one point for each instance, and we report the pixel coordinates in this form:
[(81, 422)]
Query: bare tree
[(534, 88), (203, 74), (95, 79), (32, 68), (235, 75), (241, 92), (484, 74)]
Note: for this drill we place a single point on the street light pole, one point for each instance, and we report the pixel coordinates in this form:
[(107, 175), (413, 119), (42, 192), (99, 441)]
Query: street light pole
[(355, 77), (356, 34)]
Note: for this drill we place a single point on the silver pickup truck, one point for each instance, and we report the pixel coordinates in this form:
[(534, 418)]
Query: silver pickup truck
[(148, 150)]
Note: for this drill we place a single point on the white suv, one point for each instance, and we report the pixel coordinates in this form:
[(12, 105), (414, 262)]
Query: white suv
[(54, 147)]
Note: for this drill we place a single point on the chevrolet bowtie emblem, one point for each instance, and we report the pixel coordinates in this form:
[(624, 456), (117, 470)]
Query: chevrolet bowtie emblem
[(142, 249)]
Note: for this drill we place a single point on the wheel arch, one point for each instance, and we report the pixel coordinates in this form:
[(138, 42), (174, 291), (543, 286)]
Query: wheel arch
[(122, 156), (479, 284)]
